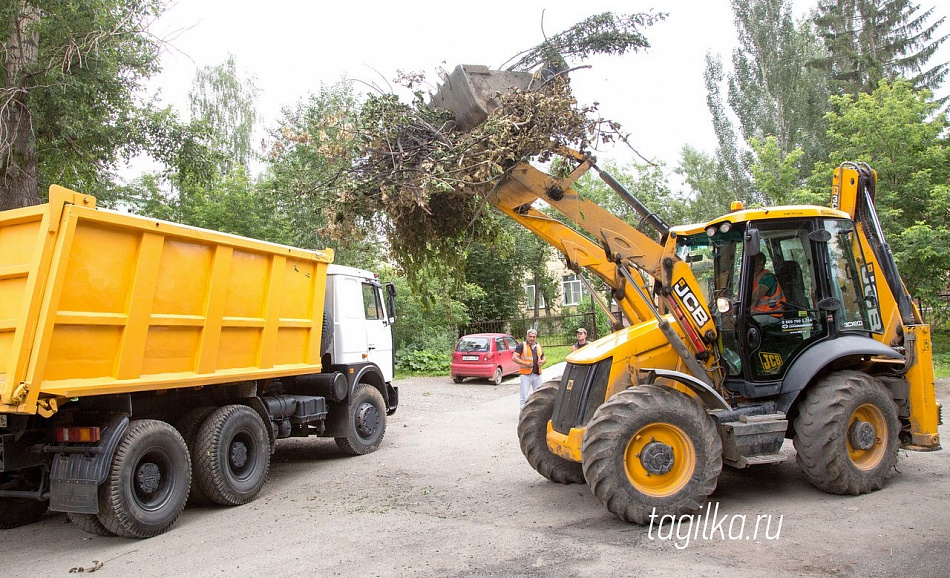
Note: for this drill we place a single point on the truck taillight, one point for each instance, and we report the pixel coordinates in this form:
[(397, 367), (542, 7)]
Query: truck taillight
[(77, 434)]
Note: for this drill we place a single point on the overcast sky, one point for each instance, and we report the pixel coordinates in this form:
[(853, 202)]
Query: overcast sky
[(292, 47)]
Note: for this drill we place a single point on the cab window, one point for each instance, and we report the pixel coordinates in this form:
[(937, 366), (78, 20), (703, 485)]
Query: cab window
[(371, 304)]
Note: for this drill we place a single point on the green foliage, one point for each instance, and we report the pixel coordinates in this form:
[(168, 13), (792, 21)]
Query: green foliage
[(707, 185), (424, 361), (225, 102), (775, 173), (604, 33), (772, 92), (69, 109), (897, 131), (873, 40)]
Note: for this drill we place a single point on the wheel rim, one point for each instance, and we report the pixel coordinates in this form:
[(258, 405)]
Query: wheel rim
[(152, 480), (242, 457), (367, 420), (497, 377), (660, 459), (867, 436)]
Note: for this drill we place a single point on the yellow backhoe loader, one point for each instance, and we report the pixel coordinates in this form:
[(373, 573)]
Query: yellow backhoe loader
[(761, 325)]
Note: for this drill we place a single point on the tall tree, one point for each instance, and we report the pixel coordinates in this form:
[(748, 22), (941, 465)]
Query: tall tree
[(871, 40), (70, 74), (898, 131), (224, 100), (771, 91)]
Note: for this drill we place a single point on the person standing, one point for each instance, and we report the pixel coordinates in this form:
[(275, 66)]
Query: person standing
[(530, 357), (581, 339)]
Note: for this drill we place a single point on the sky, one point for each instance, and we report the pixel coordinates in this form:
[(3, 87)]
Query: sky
[(293, 47)]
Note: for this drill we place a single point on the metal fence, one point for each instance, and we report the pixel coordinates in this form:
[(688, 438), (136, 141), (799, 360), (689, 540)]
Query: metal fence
[(552, 331)]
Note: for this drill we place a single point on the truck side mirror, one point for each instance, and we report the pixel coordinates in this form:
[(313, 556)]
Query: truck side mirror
[(391, 302)]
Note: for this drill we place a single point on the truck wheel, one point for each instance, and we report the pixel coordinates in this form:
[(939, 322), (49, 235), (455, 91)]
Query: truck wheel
[(232, 455), (188, 427), (367, 421), (651, 449), (16, 512), (148, 481), (498, 376), (89, 523), (846, 433), (533, 434)]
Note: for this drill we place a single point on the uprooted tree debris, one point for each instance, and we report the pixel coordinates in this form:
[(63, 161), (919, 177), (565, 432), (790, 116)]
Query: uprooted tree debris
[(423, 180)]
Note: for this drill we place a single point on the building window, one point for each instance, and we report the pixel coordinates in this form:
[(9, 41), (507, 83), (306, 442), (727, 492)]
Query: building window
[(529, 297), (573, 289)]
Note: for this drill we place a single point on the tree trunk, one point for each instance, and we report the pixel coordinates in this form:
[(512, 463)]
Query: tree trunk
[(17, 142)]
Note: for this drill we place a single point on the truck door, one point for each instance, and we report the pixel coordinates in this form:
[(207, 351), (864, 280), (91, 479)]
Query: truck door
[(379, 335)]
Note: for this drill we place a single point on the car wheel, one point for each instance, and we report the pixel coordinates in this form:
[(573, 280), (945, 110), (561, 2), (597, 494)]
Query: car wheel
[(496, 379), (458, 378)]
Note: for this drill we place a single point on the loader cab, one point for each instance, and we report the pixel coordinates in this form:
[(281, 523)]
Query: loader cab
[(777, 286)]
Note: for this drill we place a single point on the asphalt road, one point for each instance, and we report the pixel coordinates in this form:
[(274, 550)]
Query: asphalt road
[(449, 494)]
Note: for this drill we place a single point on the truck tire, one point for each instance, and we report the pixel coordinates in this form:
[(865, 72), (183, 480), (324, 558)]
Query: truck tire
[(846, 433), (148, 481), (188, 427), (533, 434), (366, 423), (651, 448), (232, 455), (89, 523), (16, 512)]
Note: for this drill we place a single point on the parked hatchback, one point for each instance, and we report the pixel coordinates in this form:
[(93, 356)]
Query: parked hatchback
[(486, 355)]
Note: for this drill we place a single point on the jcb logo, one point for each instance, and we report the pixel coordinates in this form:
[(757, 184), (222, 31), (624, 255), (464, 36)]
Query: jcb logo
[(692, 304), (870, 295), (770, 361)]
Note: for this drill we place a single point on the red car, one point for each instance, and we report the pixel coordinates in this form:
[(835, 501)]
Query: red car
[(485, 355)]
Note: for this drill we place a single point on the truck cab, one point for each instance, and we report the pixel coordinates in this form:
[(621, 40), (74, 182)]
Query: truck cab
[(360, 318)]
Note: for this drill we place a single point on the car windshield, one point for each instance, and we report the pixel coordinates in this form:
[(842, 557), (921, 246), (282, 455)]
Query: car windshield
[(473, 344)]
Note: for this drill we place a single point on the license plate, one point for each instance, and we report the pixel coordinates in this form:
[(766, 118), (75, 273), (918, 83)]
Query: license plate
[(3, 421), (469, 358)]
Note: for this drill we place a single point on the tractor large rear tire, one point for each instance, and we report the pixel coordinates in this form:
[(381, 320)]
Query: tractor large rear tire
[(533, 433), (651, 450), (148, 481), (846, 433)]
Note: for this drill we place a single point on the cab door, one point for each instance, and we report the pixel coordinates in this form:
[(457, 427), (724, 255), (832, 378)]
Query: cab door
[(379, 335), (792, 254)]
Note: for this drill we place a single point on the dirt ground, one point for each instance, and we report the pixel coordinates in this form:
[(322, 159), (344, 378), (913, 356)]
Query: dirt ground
[(449, 494)]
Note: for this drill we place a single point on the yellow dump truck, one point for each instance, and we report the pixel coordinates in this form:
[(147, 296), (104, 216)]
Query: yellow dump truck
[(143, 362)]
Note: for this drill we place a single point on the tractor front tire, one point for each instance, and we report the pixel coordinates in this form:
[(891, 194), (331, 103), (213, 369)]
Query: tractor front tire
[(846, 433), (651, 450), (533, 434)]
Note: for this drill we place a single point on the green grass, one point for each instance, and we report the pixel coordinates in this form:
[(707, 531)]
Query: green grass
[(941, 348)]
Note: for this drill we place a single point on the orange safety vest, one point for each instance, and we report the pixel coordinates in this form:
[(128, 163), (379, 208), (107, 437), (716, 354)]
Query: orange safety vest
[(768, 304), (527, 356)]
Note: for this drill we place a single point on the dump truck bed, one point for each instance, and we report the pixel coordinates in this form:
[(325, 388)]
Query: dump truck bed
[(95, 302)]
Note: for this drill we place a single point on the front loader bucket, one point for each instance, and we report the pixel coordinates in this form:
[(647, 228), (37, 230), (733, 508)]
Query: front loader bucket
[(473, 91)]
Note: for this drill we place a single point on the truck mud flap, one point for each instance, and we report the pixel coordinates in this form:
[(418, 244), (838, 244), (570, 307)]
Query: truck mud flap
[(77, 470), (392, 398)]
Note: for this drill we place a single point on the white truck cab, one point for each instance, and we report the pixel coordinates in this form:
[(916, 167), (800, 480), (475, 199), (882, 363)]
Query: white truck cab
[(361, 310)]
